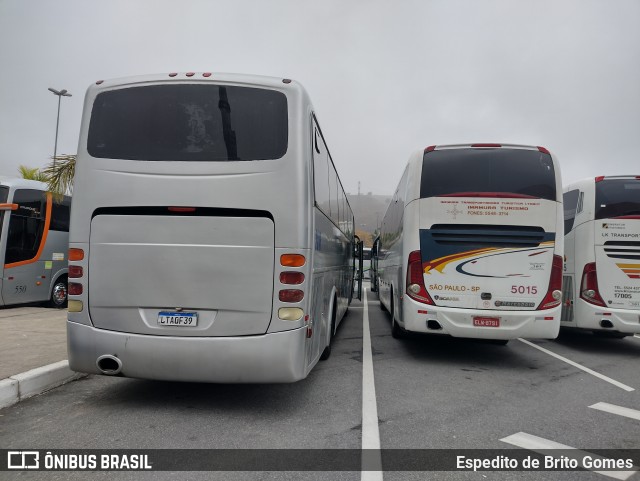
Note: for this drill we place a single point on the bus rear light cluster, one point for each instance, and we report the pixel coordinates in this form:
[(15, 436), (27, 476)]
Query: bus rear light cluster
[(415, 279), (554, 293), (75, 272), (589, 286), (291, 278)]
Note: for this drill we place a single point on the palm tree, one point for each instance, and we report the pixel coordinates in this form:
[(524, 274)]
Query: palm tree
[(32, 173), (60, 174)]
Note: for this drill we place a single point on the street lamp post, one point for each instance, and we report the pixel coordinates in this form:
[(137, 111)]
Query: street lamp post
[(60, 94)]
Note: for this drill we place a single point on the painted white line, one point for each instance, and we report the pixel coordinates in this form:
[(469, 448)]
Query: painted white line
[(575, 364), (537, 444), (370, 431), (619, 410)]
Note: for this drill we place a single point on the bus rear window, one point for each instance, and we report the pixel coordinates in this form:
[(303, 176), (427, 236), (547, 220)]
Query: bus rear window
[(617, 198), (189, 122), (488, 172)]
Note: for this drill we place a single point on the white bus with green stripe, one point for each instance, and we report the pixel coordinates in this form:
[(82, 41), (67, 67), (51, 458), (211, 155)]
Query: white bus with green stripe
[(602, 251), (472, 243)]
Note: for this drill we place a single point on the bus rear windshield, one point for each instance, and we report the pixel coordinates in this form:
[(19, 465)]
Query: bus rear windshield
[(617, 198), (496, 172), (189, 122)]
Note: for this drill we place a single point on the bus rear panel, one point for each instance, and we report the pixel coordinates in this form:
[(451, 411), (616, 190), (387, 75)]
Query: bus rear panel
[(482, 244), (194, 209), (602, 279)]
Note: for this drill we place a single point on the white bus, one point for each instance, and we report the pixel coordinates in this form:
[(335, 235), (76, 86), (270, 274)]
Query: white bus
[(211, 238), (601, 290), (34, 239), (471, 244)]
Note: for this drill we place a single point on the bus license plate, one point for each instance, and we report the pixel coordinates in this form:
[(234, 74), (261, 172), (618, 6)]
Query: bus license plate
[(486, 321), (182, 319)]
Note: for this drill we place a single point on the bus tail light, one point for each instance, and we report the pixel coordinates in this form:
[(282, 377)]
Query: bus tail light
[(415, 279), (76, 254), (75, 289), (74, 306), (290, 295), (554, 293), (75, 272), (589, 286), (292, 260), (291, 277)]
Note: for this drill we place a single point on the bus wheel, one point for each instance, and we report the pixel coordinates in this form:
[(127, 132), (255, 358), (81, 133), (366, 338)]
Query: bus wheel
[(59, 294), (327, 350), (396, 331)]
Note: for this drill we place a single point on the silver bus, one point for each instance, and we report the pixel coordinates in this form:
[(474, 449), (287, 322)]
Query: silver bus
[(211, 238), (34, 238)]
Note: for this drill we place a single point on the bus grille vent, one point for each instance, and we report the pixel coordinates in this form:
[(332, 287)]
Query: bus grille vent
[(489, 235), (622, 249)]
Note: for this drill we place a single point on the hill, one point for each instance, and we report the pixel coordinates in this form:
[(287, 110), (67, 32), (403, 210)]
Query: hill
[(368, 210)]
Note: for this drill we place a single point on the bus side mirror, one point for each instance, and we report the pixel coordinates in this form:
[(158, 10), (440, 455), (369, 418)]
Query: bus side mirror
[(9, 206)]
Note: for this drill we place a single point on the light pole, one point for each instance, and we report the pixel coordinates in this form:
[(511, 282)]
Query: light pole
[(60, 94)]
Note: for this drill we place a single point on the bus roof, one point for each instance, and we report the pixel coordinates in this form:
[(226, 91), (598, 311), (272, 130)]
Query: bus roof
[(215, 77), (17, 182)]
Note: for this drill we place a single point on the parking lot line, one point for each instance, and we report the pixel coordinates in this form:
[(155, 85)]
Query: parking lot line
[(575, 364), (370, 430), (619, 410), (538, 444)]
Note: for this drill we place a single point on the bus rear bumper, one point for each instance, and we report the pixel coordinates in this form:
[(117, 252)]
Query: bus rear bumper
[(269, 358), (460, 322), (588, 316)]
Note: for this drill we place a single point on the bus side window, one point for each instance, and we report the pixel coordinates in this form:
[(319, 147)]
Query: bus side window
[(26, 225), (569, 201), (60, 215)]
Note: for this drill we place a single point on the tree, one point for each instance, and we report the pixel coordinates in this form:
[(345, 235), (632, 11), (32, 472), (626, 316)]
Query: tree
[(60, 174), (32, 173)]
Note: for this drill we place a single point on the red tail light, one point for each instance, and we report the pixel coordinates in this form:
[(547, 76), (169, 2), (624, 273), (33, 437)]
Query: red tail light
[(291, 277), (589, 286), (415, 279), (290, 295), (75, 289), (554, 293), (75, 272)]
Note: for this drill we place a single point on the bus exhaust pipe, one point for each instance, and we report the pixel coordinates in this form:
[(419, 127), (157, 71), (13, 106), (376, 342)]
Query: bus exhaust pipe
[(433, 325), (109, 365), (606, 323)]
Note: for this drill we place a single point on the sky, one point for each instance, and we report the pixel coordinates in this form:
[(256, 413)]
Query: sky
[(386, 77)]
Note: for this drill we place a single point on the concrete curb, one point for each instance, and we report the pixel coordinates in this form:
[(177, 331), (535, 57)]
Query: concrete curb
[(36, 381)]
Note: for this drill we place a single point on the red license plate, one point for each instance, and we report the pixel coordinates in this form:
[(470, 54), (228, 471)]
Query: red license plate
[(486, 321)]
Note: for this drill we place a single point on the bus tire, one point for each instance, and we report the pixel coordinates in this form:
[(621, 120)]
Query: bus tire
[(59, 293), (396, 331), (327, 350)]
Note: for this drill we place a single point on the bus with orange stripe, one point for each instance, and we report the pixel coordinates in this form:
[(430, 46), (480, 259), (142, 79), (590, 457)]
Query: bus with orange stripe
[(602, 247), (471, 245), (34, 238)]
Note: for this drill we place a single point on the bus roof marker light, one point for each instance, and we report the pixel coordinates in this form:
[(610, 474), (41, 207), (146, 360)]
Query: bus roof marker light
[(206, 74), (431, 148), (173, 74), (98, 82), (600, 178), (486, 145), (190, 74), (286, 80), (543, 150), (181, 209)]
